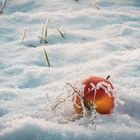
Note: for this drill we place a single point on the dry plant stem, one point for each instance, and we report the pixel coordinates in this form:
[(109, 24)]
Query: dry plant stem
[(46, 33), (94, 110), (60, 32), (84, 104), (93, 4), (62, 101), (23, 37), (58, 97), (58, 104), (74, 90), (62, 35), (41, 37), (47, 58), (59, 101), (93, 113), (88, 109), (30, 45), (4, 4), (108, 77)]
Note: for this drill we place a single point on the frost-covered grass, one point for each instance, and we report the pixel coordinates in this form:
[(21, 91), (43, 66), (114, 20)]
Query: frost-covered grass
[(98, 41)]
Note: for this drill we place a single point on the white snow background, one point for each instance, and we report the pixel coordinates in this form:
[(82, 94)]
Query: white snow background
[(100, 40)]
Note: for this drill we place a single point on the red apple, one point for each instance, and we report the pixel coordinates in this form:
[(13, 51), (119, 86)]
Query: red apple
[(97, 91)]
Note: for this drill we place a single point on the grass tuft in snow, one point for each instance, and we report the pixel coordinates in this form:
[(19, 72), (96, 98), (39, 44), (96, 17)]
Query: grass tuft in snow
[(43, 37), (44, 34)]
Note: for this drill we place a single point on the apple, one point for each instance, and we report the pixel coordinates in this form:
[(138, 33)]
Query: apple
[(98, 92)]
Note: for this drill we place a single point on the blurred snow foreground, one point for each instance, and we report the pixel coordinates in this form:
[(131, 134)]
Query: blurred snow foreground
[(101, 38)]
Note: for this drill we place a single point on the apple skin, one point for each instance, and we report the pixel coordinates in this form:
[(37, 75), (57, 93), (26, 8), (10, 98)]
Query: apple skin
[(104, 102)]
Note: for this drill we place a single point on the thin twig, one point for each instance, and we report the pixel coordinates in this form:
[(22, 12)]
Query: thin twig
[(75, 91), (58, 104), (23, 37), (60, 101)]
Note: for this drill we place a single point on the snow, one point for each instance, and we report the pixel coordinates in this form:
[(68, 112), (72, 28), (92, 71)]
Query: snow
[(99, 42)]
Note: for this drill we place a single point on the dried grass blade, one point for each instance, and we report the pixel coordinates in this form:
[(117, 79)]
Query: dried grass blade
[(60, 32), (23, 37), (41, 40), (47, 58), (30, 45), (46, 34)]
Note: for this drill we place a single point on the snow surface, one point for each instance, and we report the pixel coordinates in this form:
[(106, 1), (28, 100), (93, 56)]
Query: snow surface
[(101, 40)]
